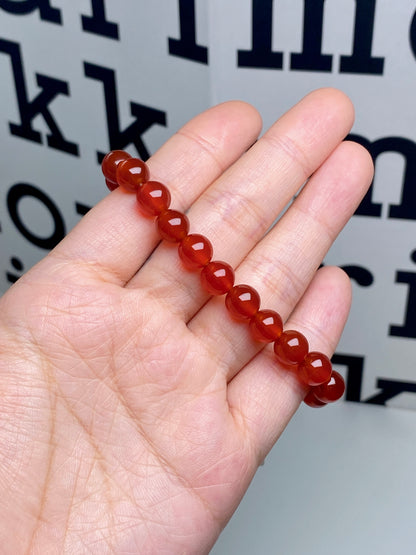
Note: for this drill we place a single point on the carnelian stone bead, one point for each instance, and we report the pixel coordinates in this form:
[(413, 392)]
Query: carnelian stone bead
[(291, 348), (173, 225), (195, 251), (110, 163), (266, 326), (332, 390), (131, 174), (315, 369), (312, 401), (153, 198), (112, 185), (217, 278), (242, 302)]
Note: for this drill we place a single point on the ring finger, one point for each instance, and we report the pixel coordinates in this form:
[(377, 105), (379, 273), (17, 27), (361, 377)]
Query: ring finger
[(285, 261)]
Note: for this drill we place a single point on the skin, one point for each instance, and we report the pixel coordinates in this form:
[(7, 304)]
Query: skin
[(133, 411)]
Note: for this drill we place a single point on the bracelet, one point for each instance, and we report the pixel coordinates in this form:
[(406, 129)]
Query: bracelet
[(291, 347)]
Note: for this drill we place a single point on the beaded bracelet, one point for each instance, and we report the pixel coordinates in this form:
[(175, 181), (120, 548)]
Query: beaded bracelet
[(291, 347)]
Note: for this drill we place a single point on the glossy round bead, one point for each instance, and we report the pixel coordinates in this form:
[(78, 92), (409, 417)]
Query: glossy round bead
[(173, 225), (242, 302), (332, 390), (110, 163), (217, 278), (312, 401), (153, 198), (112, 185), (291, 348), (266, 326), (315, 369), (131, 174), (195, 251)]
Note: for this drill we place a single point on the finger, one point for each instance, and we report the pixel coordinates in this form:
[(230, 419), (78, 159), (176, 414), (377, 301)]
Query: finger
[(264, 397), (236, 211), (285, 261), (113, 240)]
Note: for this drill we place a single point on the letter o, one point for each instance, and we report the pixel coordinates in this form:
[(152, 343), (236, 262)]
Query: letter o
[(22, 190)]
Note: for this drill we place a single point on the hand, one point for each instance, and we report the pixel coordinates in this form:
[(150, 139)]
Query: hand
[(133, 411)]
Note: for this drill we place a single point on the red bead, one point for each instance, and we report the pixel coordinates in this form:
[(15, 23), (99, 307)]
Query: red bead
[(311, 400), (332, 390), (111, 185), (173, 225), (242, 301), (110, 163), (316, 369), (266, 326), (153, 198), (291, 348), (131, 174), (217, 278), (195, 251)]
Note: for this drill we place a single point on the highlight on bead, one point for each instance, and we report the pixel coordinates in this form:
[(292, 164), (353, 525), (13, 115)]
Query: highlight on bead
[(266, 326), (332, 390), (131, 174), (314, 370), (217, 278), (242, 302), (153, 198), (291, 348), (173, 226), (195, 251)]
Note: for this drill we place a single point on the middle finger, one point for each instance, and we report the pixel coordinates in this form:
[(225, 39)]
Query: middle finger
[(236, 211)]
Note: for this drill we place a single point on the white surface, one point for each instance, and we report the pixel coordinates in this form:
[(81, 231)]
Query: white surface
[(341, 480)]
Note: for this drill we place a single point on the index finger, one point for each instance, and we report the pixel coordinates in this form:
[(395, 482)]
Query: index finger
[(112, 240)]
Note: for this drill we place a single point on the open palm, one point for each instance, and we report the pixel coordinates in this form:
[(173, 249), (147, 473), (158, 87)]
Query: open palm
[(133, 411)]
